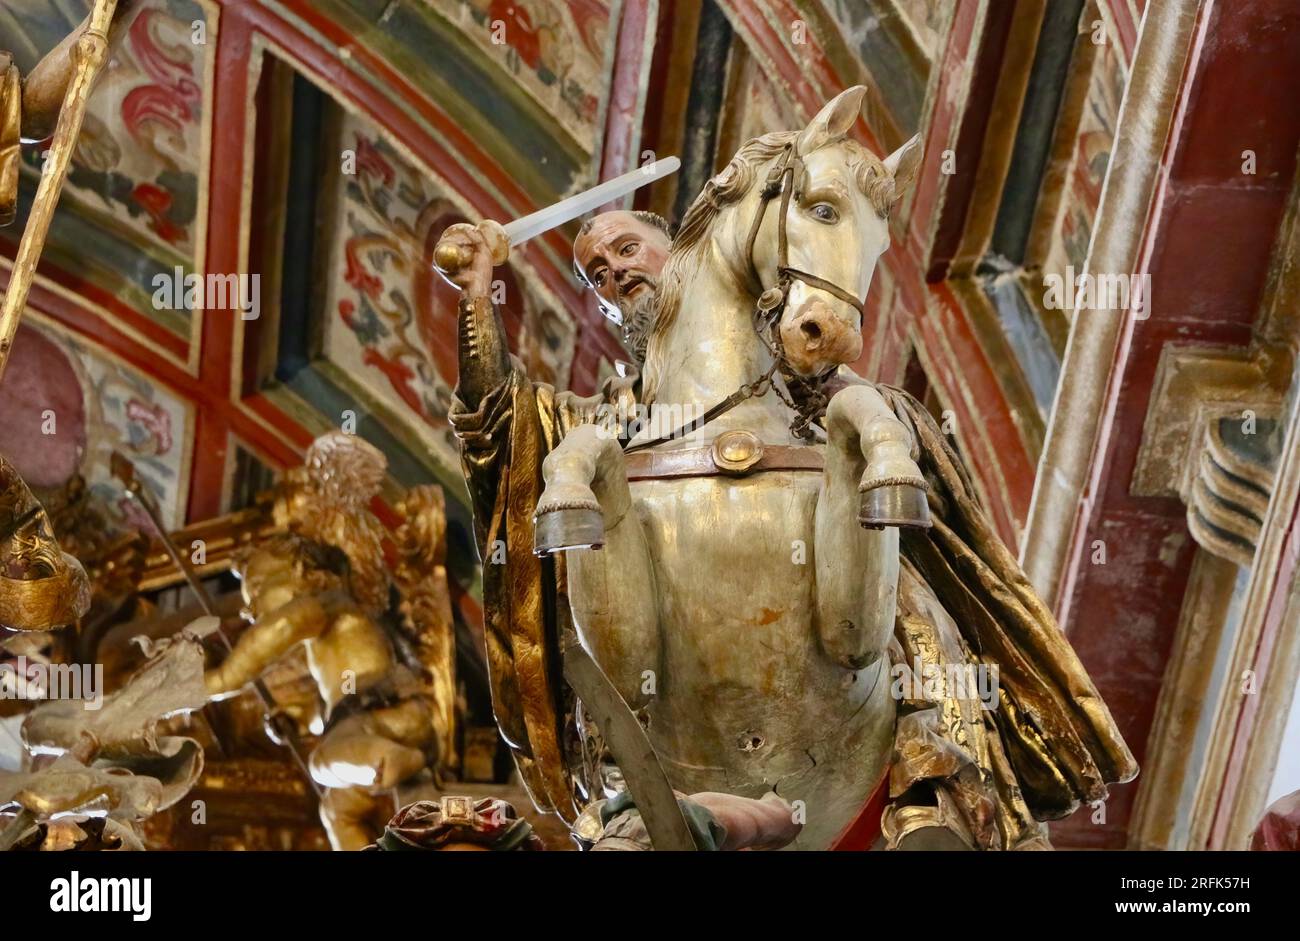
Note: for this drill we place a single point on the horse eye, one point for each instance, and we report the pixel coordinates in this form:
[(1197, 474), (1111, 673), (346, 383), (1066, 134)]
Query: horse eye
[(825, 212)]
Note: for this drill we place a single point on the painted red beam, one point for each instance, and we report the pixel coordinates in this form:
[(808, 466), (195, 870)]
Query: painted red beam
[(972, 130), (1122, 616), (624, 104), (932, 182)]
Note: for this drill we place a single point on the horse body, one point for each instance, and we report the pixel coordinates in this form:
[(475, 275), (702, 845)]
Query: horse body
[(749, 616), (749, 701)]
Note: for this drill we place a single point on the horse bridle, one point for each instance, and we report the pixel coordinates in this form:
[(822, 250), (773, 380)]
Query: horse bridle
[(780, 182), (767, 313)]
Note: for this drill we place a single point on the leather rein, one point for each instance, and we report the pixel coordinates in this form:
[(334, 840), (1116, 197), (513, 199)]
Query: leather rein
[(767, 312)]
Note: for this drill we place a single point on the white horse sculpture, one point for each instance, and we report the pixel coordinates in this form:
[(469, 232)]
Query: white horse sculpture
[(746, 589)]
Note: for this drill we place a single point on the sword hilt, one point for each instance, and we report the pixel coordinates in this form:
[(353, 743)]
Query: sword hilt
[(451, 258)]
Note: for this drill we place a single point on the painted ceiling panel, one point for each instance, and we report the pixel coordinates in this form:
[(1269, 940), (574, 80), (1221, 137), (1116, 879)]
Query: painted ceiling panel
[(1072, 186), (555, 50), (526, 79), (114, 407), (389, 320), (898, 41)]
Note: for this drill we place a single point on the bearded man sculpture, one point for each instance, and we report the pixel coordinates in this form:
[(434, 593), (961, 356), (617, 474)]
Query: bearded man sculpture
[(620, 255)]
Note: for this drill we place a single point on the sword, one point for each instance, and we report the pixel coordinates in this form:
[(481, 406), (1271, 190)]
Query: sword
[(636, 757), (502, 238)]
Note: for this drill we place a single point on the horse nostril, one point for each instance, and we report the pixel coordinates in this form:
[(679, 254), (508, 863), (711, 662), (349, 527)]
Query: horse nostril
[(812, 333)]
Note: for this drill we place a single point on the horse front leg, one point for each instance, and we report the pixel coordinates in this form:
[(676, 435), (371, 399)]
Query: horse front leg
[(870, 487), (587, 505)]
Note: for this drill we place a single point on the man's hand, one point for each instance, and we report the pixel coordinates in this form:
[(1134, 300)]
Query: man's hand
[(764, 824), (465, 258)]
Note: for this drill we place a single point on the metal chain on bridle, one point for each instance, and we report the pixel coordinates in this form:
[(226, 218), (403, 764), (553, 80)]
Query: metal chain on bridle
[(805, 397)]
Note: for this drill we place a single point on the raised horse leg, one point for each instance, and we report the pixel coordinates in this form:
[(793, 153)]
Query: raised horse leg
[(871, 486), (587, 505)]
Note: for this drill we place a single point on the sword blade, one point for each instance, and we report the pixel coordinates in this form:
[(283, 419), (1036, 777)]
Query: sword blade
[(534, 224), (631, 747)]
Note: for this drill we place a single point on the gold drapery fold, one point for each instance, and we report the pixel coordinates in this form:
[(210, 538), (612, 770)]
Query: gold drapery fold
[(525, 607), (1054, 731), (950, 744)]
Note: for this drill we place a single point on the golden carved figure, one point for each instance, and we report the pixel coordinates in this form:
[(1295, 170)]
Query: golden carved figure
[(95, 771), (323, 585), (41, 586)]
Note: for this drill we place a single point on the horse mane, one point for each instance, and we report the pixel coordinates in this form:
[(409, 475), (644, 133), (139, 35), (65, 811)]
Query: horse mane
[(725, 189)]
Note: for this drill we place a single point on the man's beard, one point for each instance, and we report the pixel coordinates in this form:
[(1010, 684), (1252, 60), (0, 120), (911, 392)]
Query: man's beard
[(639, 318)]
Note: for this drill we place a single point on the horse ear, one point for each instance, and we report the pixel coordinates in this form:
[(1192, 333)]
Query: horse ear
[(834, 120), (903, 164)]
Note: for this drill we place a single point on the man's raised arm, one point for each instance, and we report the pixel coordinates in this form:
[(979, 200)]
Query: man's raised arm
[(483, 354)]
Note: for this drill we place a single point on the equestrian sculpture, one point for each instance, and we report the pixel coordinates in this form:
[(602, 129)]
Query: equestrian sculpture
[(773, 567)]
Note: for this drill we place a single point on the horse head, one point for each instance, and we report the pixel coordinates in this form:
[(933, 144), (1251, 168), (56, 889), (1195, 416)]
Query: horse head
[(833, 208), (836, 226)]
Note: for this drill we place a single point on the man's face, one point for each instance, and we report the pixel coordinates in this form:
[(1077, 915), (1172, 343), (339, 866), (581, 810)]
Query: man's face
[(622, 257)]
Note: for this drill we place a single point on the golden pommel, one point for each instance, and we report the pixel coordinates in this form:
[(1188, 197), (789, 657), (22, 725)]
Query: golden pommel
[(451, 257)]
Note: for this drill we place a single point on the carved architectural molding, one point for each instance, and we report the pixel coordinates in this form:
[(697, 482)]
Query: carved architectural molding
[(1232, 672), (1153, 96), (1212, 438), (1173, 768)]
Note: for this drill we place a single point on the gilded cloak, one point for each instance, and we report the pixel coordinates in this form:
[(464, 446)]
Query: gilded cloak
[(525, 607), (990, 775), (1050, 743)]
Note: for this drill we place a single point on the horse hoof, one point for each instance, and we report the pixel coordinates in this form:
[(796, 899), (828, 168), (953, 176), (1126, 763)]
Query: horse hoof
[(899, 504), (558, 528)]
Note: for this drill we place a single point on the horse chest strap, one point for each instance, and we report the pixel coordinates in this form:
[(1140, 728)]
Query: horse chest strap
[(725, 458)]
